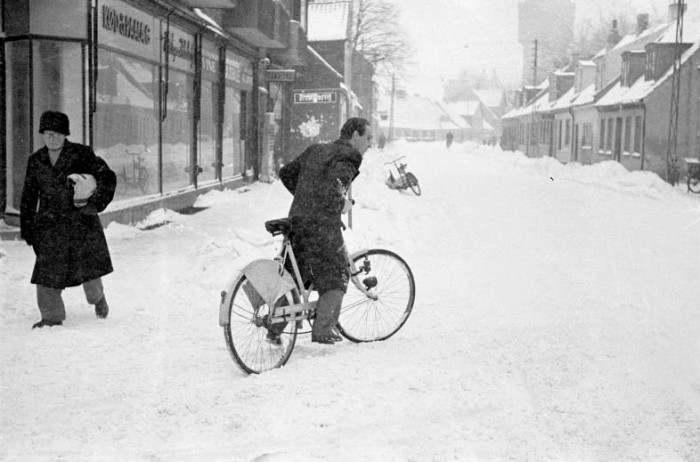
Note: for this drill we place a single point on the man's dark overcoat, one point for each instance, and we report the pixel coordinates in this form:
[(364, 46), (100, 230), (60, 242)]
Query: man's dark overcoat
[(69, 242), (319, 178)]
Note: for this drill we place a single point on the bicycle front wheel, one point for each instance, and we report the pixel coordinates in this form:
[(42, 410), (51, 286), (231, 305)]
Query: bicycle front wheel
[(247, 331), (391, 292), (413, 183)]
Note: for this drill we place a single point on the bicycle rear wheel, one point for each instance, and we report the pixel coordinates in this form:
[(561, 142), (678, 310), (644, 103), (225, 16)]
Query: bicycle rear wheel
[(246, 332), (694, 184), (413, 183), (392, 289)]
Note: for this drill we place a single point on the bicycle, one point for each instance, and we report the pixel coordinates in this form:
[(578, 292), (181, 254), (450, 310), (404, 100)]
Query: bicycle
[(377, 304), (406, 179), (693, 175), (138, 177)]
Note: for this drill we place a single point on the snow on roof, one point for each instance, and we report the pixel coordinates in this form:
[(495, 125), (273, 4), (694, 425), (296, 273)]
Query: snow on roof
[(490, 98), (541, 103), (641, 88), (564, 102), (466, 108), (585, 96), (328, 21), (421, 113), (691, 30), (324, 62), (600, 53), (454, 117), (630, 39)]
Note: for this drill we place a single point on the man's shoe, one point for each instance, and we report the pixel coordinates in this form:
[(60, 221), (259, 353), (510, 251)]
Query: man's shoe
[(324, 339), (336, 335), (42, 323), (101, 308)]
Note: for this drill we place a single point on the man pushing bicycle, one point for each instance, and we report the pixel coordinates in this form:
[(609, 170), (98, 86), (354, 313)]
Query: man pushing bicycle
[(319, 179)]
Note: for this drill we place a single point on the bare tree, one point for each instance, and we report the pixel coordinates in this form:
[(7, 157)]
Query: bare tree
[(379, 37)]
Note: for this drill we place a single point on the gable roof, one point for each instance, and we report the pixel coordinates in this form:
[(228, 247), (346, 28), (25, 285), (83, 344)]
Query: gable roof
[(642, 88), (491, 98), (421, 113)]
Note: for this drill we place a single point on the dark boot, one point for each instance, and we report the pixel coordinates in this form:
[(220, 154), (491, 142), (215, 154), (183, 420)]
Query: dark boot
[(101, 308), (43, 322), (327, 312)]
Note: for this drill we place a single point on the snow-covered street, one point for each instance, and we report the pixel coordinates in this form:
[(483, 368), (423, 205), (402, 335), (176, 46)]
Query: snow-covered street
[(557, 318)]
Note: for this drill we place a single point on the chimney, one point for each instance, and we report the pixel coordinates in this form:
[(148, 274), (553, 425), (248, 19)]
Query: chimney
[(674, 8), (559, 83), (642, 23), (585, 75), (613, 35)]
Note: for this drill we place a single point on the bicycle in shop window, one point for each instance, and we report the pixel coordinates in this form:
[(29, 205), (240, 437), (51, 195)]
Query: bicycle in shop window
[(136, 175)]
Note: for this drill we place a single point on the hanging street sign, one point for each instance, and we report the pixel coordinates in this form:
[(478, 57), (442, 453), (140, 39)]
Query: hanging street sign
[(280, 75)]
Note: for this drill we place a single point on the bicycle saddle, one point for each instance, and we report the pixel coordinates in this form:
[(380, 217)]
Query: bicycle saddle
[(279, 226)]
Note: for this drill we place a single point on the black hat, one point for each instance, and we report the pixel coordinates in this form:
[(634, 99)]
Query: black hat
[(54, 121)]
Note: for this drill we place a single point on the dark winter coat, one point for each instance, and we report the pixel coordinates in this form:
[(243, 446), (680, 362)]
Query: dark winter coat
[(319, 179), (69, 242)]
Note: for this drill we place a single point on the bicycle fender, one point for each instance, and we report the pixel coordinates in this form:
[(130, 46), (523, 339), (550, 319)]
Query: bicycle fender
[(357, 253), (226, 296), (264, 275)]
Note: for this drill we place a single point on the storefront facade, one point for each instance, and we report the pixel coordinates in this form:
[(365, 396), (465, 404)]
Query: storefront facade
[(163, 98)]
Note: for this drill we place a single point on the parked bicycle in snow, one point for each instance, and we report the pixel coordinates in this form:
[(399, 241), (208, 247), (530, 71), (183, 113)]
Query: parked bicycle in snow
[(405, 179)]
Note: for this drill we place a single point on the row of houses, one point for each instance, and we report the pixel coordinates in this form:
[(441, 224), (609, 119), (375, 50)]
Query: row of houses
[(178, 96), (617, 105), (419, 118)]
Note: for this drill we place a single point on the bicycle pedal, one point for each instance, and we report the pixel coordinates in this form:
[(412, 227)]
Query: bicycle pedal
[(370, 282)]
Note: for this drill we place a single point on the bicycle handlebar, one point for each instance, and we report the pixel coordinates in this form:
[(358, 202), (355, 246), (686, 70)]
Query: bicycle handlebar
[(394, 161)]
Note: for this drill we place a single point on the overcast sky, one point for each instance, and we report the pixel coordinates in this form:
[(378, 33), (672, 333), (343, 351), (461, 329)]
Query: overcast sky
[(450, 36)]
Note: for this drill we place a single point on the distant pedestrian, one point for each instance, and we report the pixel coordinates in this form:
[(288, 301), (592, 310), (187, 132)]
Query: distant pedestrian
[(65, 187), (448, 139), (382, 141)]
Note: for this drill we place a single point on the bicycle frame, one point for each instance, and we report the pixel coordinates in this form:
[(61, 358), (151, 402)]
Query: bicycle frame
[(259, 270)]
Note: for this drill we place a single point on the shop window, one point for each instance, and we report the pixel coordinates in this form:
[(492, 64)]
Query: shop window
[(208, 131), (57, 70), (18, 91), (126, 122), (233, 144), (177, 132)]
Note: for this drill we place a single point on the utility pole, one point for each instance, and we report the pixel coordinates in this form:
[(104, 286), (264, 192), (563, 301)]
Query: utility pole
[(391, 109), (534, 66), (672, 172), (531, 126)]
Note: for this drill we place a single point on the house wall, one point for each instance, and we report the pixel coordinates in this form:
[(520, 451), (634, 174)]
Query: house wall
[(658, 116), (626, 124), (562, 149), (585, 126)]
